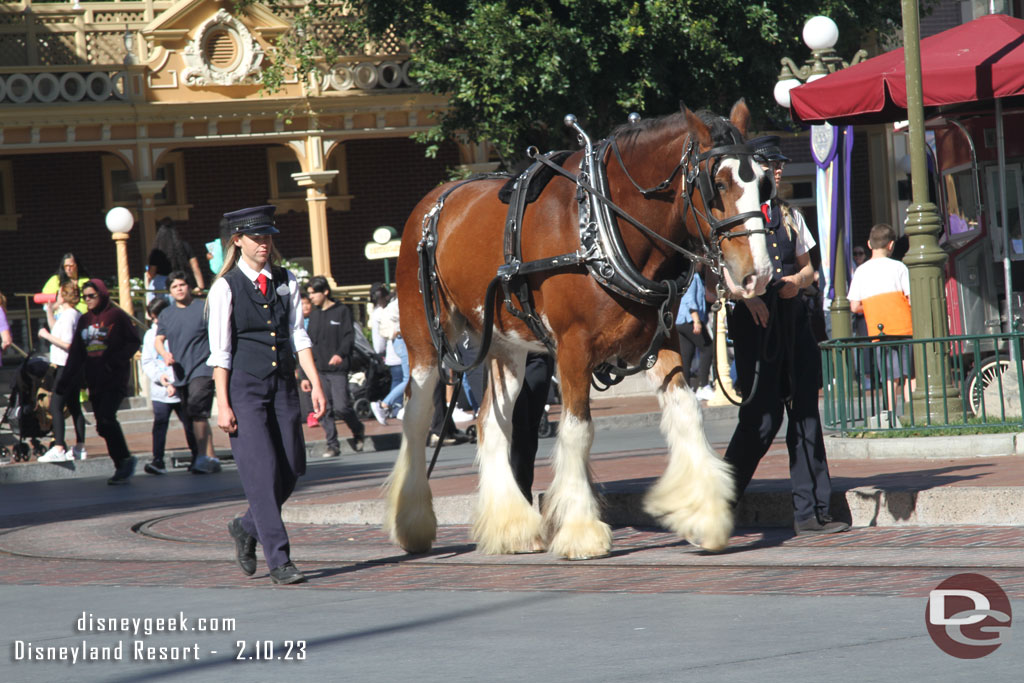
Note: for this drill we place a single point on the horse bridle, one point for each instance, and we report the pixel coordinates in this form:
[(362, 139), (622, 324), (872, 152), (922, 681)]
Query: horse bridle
[(698, 170)]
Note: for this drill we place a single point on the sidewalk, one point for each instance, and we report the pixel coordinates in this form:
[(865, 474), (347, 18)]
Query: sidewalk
[(891, 482)]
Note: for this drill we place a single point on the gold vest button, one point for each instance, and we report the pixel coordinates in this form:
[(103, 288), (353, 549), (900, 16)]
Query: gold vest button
[(273, 348), (273, 334), (264, 305), (273, 363)]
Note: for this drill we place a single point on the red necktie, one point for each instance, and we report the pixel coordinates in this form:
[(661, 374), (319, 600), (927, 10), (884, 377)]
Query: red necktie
[(767, 213), (262, 282)]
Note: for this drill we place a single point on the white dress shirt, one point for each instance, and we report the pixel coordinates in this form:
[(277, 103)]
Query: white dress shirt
[(219, 303)]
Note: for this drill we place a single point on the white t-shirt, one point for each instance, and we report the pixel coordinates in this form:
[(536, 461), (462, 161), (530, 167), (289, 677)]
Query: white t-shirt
[(804, 239), (879, 276), (384, 329), (63, 329)]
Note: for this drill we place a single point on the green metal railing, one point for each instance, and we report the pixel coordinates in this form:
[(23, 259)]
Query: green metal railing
[(868, 383)]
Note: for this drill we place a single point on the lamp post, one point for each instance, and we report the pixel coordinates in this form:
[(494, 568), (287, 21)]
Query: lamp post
[(925, 259), (820, 35), (119, 223)]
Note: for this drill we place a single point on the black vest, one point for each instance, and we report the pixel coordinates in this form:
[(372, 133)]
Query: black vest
[(781, 247), (261, 344)]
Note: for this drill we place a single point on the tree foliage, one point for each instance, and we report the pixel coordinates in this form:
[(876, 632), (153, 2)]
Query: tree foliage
[(513, 68)]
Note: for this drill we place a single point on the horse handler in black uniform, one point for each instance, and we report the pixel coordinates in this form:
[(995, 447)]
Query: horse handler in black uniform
[(778, 365), (255, 323)]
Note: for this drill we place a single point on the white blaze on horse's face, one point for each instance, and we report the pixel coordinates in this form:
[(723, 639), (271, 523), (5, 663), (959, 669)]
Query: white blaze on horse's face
[(747, 197)]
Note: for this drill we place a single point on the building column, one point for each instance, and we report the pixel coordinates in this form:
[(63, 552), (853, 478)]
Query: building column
[(316, 202), (147, 190), (315, 179)]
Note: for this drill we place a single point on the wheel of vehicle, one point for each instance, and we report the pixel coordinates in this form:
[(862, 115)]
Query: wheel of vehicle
[(985, 373), (21, 452), (362, 408), (546, 428), (471, 433)]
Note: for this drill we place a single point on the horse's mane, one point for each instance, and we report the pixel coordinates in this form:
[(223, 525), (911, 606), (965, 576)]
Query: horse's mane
[(723, 132)]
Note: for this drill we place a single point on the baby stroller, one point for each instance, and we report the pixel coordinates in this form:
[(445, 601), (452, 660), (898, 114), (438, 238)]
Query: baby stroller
[(369, 378), (28, 408)]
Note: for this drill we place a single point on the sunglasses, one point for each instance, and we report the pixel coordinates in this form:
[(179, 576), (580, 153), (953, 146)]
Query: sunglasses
[(90, 296)]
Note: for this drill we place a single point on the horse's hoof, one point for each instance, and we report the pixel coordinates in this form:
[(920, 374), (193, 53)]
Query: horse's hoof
[(416, 548), (582, 558)]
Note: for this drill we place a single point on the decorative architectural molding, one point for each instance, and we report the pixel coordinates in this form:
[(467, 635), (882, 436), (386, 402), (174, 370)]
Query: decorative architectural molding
[(244, 66)]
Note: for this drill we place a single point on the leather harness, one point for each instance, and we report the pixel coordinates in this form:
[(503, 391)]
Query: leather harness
[(601, 250)]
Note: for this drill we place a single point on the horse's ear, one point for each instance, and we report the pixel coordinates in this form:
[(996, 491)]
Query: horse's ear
[(740, 116), (697, 127)]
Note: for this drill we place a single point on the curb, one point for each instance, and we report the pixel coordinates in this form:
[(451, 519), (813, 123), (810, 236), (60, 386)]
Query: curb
[(837, 447), (864, 506)]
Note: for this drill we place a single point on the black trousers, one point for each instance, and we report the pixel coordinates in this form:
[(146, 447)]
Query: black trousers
[(73, 401), (339, 405), (526, 416), (104, 407), (689, 342), (789, 369), (161, 418)]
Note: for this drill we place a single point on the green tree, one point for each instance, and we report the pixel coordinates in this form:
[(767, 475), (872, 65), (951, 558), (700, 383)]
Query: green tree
[(513, 68)]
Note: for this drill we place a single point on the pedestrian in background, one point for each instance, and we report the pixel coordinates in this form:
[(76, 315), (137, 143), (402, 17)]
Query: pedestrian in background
[(62, 318), (104, 343), (171, 253), (162, 393), (183, 326), (692, 325), (330, 332), (5, 329), (386, 332), (256, 332), (69, 270)]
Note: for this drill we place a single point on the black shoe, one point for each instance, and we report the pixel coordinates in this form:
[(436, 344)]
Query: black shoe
[(155, 467), (357, 443), (245, 547), (123, 472), (819, 525), (287, 574)]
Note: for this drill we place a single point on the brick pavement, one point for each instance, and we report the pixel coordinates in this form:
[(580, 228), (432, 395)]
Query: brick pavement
[(171, 547), (179, 543)]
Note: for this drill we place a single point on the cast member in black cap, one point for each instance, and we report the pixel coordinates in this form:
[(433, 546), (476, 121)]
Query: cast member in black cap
[(777, 366), (255, 327)]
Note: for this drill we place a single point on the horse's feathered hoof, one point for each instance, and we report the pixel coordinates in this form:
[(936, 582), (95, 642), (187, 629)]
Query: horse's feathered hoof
[(583, 558)]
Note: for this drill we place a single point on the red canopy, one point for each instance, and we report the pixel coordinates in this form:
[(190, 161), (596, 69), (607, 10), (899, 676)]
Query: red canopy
[(980, 60)]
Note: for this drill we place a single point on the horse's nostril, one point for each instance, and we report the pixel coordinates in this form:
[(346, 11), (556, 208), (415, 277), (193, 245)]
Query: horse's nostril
[(750, 282)]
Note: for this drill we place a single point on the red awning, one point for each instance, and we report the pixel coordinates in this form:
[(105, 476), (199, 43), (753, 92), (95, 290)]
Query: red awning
[(980, 60)]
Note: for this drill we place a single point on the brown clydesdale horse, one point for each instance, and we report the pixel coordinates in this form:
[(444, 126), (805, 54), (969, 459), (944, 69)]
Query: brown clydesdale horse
[(589, 325)]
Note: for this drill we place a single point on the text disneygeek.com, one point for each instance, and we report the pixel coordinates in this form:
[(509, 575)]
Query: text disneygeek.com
[(138, 649)]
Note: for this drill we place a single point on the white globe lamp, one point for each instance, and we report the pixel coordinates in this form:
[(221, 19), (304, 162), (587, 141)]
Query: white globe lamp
[(820, 33), (782, 89), (120, 220)]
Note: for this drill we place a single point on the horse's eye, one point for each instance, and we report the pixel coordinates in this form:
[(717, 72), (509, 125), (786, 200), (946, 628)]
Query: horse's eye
[(720, 187)]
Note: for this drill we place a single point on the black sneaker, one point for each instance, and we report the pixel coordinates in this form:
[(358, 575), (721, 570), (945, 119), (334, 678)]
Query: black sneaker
[(155, 467), (123, 472), (287, 574), (357, 443), (819, 525)]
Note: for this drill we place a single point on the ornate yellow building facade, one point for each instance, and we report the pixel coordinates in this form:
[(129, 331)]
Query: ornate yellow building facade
[(157, 106)]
